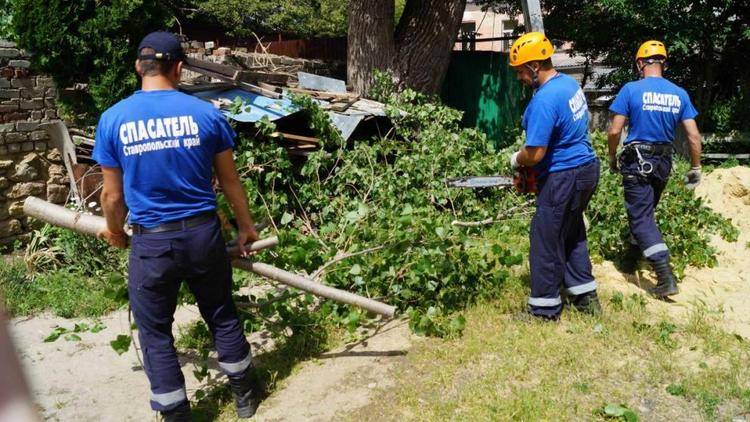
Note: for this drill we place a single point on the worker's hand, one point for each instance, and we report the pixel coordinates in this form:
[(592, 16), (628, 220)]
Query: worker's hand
[(245, 236), (514, 161), (614, 166), (117, 239), (693, 177)]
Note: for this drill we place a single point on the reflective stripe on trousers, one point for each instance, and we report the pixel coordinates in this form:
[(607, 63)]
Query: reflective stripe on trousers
[(169, 399), (642, 195), (558, 252)]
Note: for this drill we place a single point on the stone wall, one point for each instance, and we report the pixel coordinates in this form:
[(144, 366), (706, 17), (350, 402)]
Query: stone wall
[(28, 166), (269, 62)]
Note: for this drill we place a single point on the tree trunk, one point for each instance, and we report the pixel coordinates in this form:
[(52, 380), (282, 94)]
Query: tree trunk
[(417, 53), (370, 41), (424, 40)]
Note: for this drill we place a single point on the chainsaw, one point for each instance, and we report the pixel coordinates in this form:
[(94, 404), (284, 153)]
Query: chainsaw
[(524, 181)]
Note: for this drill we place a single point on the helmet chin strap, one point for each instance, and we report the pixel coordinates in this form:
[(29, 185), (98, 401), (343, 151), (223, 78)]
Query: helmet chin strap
[(534, 77)]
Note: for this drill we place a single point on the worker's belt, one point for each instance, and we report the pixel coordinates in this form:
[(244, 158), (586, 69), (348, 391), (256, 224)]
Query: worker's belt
[(183, 224), (652, 149)]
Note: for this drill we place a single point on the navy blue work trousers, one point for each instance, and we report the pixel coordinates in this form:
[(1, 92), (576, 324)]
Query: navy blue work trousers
[(642, 194), (559, 253), (158, 264)]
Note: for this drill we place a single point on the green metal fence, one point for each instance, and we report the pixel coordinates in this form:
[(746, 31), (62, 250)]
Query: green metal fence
[(484, 87)]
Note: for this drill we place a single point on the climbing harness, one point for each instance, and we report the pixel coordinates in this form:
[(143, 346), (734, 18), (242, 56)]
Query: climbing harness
[(645, 167)]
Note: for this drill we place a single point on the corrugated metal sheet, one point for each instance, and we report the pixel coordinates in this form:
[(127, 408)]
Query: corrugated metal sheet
[(259, 105)]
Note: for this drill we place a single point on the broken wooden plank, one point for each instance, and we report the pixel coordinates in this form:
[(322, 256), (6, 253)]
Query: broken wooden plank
[(297, 138), (239, 84), (191, 89), (228, 71)]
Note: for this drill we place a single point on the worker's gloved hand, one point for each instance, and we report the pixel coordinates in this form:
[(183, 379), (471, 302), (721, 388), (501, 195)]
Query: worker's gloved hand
[(514, 161), (614, 167), (693, 177)]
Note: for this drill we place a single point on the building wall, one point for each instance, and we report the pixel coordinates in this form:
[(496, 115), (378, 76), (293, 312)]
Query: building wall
[(488, 25), (28, 167)]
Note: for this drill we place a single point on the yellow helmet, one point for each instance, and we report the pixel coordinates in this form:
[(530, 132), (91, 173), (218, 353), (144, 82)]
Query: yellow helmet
[(530, 47), (651, 48)]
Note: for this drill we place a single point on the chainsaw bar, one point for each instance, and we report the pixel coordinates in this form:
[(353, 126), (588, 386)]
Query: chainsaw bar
[(480, 181)]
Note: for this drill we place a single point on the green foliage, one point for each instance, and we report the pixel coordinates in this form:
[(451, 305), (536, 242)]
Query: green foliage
[(706, 46), (70, 274), (6, 20), (71, 334), (684, 220), (88, 41), (383, 204), (121, 344), (618, 412), (63, 292), (306, 18)]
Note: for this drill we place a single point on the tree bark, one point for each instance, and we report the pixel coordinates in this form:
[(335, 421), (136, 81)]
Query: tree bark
[(417, 53), (424, 40), (370, 41)]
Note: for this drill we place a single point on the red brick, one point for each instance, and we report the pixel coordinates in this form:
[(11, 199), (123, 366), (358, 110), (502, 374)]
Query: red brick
[(22, 73), (8, 108), (7, 72)]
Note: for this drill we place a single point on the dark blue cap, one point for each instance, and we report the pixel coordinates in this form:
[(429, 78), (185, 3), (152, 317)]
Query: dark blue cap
[(166, 46)]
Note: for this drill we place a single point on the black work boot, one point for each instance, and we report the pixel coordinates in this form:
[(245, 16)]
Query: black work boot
[(178, 414), (666, 284), (587, 303), (247, 393)]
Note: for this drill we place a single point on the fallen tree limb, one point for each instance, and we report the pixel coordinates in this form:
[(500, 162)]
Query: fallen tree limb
[(91, 224), (500, 217)]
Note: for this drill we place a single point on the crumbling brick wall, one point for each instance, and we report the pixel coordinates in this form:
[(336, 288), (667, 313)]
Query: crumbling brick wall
[(28, 165)]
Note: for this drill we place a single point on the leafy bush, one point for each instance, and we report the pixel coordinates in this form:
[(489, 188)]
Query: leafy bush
[(63, 292), (375, 216), (88, 41)]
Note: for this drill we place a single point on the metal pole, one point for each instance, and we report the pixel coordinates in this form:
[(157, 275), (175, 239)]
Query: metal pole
[(532, 16), (90, 225)]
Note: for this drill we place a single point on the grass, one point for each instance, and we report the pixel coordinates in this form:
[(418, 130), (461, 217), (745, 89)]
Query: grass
[(65, 293), (573, 370)]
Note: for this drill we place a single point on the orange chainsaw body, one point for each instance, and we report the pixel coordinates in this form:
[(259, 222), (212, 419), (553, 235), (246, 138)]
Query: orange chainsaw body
[(525, 180)]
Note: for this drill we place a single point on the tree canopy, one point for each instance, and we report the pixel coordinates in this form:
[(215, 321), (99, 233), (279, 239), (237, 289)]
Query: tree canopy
[(305, 18), (88, 41), (707, 42)]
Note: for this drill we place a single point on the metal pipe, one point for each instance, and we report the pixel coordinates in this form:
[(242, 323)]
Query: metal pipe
[(91, 224)]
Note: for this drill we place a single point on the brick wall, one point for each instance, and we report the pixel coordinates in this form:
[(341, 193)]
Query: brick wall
[(28, 166)]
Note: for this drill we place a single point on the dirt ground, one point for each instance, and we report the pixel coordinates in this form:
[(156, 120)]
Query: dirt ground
[(87, 381)]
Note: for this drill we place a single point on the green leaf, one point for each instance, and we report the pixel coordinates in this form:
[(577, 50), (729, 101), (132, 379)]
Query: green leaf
[(121, 344), (72, 337), (98, 327), (55, 334), (355, 270), (458, 324), (286, 218)]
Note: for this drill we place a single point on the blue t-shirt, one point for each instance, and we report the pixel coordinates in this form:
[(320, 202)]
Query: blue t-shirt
[(165, 143), (653, 107), (557, 118)]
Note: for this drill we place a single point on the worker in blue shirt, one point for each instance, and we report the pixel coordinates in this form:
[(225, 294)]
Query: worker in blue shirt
[(652, 107), (158, 150), (558, 147)]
